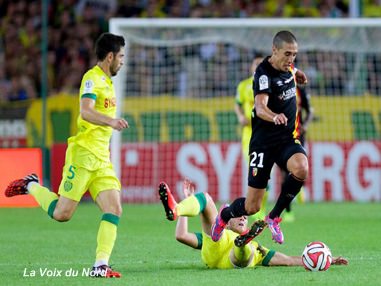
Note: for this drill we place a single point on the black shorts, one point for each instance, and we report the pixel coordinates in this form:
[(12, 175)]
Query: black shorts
[(262, 160)]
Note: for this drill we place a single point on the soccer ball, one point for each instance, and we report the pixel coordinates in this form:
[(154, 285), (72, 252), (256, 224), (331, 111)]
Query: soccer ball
[(316, 256)]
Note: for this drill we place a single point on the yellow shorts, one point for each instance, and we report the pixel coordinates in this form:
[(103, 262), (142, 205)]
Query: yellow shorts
[(262, 255), (217, 254), (84, 171)]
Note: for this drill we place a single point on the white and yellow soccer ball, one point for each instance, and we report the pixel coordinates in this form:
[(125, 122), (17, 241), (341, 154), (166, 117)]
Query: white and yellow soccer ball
[(316, 256)]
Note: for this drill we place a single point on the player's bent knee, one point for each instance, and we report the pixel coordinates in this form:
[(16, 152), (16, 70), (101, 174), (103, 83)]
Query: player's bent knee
[(300, 171), (208, 198), (62, 216), (115, 209), (252, 209), (118, 211)]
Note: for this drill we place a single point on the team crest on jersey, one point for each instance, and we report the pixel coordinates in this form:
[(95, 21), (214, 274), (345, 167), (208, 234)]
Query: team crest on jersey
[(255, 171), (89, 84), (68, 186), (263, 82)]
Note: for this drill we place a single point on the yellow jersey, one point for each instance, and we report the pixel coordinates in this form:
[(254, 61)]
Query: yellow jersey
[(245, 98), (96, 138), (217, 254)]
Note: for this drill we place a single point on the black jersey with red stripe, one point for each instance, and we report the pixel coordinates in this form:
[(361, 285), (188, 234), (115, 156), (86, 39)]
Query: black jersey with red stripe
[(281, 88)]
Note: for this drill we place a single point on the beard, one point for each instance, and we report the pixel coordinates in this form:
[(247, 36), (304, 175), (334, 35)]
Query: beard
[(114, 69)]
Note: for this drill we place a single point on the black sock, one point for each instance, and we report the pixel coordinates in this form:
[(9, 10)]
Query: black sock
[(236, 209), (290, 188)]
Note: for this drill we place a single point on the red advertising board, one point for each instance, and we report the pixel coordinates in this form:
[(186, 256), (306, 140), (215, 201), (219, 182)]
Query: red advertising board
[(215, 168), (338, 171), (16, 163)]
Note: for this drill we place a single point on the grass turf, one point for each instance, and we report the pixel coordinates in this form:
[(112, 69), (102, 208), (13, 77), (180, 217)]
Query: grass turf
[(147, 254)]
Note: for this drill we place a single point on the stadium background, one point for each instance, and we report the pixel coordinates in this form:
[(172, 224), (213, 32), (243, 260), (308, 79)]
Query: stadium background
[(182, 130)]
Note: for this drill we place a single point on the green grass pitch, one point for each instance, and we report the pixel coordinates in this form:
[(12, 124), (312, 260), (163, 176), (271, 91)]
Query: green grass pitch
[(147, 254)]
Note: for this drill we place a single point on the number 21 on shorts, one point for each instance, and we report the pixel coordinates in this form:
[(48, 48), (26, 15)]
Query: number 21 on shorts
[(257, 160)]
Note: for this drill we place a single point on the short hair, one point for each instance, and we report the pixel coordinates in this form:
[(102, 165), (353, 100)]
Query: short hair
[(107, 43), (283, 37)]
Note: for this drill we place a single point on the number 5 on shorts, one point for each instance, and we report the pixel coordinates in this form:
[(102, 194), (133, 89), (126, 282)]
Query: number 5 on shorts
[(71, 171)]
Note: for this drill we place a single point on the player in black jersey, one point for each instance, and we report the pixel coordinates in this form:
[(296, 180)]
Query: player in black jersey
[(274, 137)]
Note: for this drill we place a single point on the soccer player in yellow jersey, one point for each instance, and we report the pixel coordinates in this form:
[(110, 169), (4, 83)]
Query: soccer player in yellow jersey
[(244, 104), (87, 163), (229, 251)]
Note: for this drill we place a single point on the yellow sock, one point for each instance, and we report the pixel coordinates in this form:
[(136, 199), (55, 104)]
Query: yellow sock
[(264, 202), (300, 196), (262, 212), (45, 198), (106, 237), (192, 205), (242, 254)]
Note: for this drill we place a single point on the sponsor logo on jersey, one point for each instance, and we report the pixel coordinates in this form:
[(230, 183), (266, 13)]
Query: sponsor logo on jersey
[(110, 102), (287, 94)]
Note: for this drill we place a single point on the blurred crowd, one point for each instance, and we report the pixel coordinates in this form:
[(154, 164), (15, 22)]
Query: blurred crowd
[(75, 24)]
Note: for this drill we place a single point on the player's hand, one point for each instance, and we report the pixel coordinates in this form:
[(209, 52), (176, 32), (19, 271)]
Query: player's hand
[(243, 121), (339, 261), (280, 119), (188, 187), (300, 77), (119, 124)]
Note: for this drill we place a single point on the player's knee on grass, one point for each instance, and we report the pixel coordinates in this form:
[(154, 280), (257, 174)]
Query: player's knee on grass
[(62, 215)]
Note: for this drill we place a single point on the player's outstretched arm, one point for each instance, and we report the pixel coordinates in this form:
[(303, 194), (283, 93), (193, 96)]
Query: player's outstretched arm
[(281, 259), (89, 114), (183, 235)]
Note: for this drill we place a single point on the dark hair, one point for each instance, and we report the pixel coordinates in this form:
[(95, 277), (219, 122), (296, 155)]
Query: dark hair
[(107, 43), (283, 37)]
